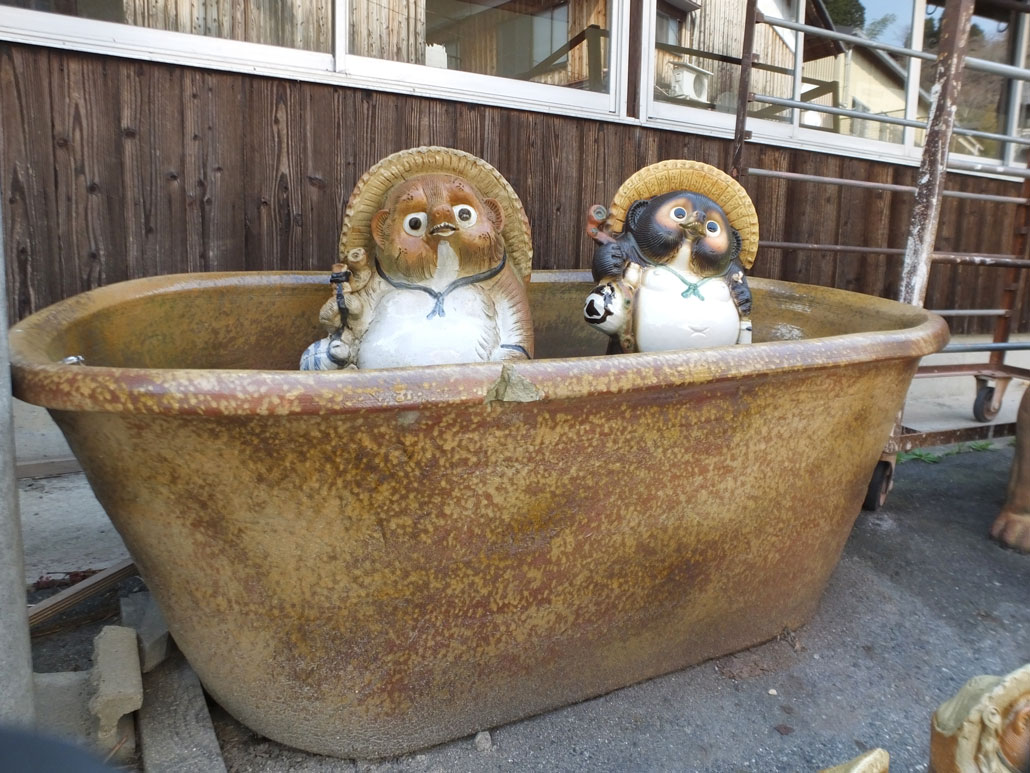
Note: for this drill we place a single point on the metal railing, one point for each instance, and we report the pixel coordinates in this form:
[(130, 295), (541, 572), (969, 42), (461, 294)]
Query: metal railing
[(993, 376)]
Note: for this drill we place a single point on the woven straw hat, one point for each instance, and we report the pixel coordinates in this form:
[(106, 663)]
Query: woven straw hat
[(371, 190), (684, 175)]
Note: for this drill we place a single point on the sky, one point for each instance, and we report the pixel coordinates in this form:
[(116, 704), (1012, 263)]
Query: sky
[(875, 9)]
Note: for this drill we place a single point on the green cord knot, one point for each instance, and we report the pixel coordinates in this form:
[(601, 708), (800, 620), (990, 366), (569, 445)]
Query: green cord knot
[(692, 287), (692, 290)]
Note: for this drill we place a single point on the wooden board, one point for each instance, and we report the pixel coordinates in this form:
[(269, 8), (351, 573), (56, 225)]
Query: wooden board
[(174, 723)]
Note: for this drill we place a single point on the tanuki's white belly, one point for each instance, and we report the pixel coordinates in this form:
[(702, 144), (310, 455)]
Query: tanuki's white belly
[(675, 310), (402, 332)]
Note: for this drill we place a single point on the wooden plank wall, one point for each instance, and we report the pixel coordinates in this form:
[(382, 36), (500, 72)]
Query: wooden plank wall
[(303, 24), (112, 169), (389, 29)]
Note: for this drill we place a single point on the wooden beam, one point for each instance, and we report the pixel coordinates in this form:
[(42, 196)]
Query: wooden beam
[(81, 591), (915, 273), (48, 468)]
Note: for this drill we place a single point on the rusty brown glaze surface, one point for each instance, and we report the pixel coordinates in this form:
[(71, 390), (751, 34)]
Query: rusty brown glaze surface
[(363, 563)]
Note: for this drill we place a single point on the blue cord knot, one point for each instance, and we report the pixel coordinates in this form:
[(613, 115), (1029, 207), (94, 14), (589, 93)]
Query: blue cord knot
[(438, 308)]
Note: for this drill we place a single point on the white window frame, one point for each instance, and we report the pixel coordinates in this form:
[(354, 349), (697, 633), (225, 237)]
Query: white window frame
[(340, 67), (781, 133), (792, 134)]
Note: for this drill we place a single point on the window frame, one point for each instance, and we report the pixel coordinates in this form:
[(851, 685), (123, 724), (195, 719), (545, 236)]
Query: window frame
[(339, 67), (342, 68)]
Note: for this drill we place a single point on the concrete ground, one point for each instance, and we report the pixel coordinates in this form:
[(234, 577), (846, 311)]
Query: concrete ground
[(921, 601)]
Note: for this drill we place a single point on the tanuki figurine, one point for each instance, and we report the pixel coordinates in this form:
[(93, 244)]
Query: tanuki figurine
[(436, 249), (670, 260)]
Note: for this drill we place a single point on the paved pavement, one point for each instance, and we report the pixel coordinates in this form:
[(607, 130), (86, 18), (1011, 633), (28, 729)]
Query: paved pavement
[(921, 601)]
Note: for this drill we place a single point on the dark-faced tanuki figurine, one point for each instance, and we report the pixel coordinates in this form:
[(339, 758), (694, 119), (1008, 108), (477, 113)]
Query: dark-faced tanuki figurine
[(435, 251), (670, 260)]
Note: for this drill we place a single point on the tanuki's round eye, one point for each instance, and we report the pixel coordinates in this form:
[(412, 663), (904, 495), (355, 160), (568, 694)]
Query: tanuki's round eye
[(713, 228), (679, 214), (415, 224), (466, 215)]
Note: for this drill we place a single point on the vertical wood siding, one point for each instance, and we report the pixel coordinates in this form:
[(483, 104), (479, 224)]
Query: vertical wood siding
[(303, 24), (389, 29), (113, 169)]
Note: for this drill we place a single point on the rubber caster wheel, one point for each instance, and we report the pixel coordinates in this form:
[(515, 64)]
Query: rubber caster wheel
[(982, 410), (879, 486)]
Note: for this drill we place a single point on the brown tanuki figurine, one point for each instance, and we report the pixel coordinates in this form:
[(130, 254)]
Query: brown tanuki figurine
[(1012, 526), (436, 248)]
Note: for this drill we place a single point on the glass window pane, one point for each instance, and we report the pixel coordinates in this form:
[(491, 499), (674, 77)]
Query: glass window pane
[(983, 100), (698, 44), (305, 24), (854, 77), (560, 42)]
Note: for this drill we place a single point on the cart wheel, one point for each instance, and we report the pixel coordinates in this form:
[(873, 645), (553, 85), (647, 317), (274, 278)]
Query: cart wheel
[(982, 410), (880, 485)]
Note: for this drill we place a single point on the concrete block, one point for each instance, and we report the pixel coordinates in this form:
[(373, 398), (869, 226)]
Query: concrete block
[(140, 611), (63, 712), (95, 708), (117, 690), (175, 727)]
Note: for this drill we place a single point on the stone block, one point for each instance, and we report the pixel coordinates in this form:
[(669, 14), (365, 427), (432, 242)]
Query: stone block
[(175, 727), (62, 700), (140, 611), (95, 708), (116, 687)]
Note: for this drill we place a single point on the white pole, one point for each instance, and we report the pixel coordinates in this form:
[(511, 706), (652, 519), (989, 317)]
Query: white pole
[(17, 698)]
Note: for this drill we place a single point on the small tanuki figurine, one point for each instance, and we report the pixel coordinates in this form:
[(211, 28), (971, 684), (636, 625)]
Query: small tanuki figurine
[(670, 260), (435, 250)]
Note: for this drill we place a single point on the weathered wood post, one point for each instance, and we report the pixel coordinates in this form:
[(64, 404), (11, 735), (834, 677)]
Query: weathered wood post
[(17, 699), (955, 24), (747, 59)]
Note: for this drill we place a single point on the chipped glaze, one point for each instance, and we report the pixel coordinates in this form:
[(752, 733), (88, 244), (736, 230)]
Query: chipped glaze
[(363, 563)]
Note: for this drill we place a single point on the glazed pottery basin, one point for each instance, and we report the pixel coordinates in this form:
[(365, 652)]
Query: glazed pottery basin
[(365, 563)]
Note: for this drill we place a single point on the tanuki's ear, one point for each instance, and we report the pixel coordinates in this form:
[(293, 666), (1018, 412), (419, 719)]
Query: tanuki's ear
[(495, 213), (636, 209), (378, 227)]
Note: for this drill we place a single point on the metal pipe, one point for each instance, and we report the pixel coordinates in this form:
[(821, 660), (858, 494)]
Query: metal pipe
[(982, 65), (802, 105), (970, 259), (843, 37), (1008, 346), (858, 115), (847, 182), (976, 166), (1014, 139), (842, 181), (951, 258), (829, 248), (17, 696)]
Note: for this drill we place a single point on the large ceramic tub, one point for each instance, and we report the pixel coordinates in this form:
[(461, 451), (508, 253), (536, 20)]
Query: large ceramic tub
[(364, 563)]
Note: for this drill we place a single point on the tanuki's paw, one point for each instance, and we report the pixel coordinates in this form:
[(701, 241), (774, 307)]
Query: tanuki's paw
[(1012, 530)]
